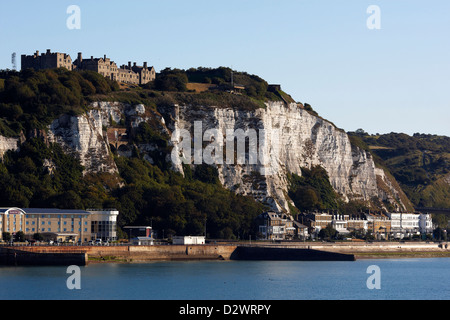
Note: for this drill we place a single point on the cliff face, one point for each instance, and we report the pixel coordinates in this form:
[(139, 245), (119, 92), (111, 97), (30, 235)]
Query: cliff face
[(289, 138), (89, 137), (293, 138)]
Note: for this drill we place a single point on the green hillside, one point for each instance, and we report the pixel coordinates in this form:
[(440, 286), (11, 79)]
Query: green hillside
[(420, 163)]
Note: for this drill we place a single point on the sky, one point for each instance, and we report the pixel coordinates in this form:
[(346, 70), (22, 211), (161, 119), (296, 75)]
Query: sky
[(395, 78)]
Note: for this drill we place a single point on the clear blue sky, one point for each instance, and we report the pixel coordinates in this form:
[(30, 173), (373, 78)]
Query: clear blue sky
[(321, 52)]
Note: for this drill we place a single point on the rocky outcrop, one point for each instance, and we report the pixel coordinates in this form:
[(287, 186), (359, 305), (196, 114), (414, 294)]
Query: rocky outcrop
[(86, 136), (82, 136), (7, 144)]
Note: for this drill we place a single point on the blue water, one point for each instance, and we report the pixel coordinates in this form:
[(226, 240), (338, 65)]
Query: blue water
[(426, 279)]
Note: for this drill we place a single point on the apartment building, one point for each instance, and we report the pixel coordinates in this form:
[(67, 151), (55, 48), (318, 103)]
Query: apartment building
[(411, 223)]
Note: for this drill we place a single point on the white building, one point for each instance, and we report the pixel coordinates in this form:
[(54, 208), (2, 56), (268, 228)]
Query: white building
[(411, 223), (340, 223), (189, 240), (425, 223)]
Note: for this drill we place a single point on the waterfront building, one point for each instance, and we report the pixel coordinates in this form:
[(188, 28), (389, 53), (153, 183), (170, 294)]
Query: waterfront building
[(12, 220), (405, 224), (425, 223), (379, 225), (318, 221), (340, 222), (188, 240), (357, 224), (276, 226), (140, 235), (301, 230), (60, 225), (103, 224)]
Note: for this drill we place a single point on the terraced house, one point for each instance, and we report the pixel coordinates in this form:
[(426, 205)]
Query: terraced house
[(63, 225)]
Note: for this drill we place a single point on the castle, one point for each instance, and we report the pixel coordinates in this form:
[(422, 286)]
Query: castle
[(131, 74)]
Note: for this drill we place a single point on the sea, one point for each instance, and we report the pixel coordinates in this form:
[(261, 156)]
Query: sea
[(381, 279)]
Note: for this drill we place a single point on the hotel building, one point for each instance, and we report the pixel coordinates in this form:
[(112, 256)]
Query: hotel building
[(63, 225)]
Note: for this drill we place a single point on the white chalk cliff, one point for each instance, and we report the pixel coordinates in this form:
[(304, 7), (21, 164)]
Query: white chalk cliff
[(301, 140)]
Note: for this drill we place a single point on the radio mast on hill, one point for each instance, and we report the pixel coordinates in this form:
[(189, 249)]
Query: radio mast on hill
[(13, 61)]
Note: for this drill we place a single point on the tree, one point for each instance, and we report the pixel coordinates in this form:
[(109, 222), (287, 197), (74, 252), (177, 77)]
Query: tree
[(327, 233), (20, 236), (6, 236), (38, 237)]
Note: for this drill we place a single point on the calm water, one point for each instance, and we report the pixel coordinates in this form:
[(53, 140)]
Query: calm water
[(233, 280)]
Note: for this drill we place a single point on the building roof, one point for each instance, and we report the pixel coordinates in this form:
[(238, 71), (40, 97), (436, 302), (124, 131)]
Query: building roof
[(299, 225), (137, 227), (44, 211), (54, 211)]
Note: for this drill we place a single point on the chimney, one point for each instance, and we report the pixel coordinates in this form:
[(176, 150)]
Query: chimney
[(48, 51), (104, 57), (80, 57), (145, 65), (129, 65), (92, 58), (134, 64)]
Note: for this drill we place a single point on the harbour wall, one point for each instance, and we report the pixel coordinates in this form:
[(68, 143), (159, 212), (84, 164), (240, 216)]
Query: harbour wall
[(288, 254), (82, 255), (14, 257), (42, 255)]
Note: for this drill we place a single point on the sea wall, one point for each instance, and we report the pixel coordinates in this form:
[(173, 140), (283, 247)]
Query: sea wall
[(136, 253), (13, 257), (288, 254), (81, 255)]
